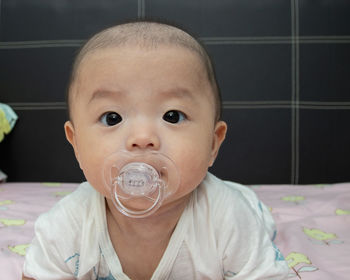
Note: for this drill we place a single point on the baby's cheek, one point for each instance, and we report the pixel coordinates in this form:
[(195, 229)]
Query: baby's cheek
[(93, 172), (193, 167)]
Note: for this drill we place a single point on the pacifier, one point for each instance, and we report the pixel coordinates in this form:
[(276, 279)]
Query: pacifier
[(139, 181)]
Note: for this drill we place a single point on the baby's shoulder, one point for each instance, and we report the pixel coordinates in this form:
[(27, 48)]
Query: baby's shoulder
[(222, 193), (226, 201), (70, 212), (232, 204), (65, 236)]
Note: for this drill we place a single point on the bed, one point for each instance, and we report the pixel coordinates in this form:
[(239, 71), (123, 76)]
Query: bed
[(313, 224)]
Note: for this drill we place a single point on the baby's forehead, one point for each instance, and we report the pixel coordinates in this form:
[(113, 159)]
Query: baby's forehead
[(123, 56), (172, 64)]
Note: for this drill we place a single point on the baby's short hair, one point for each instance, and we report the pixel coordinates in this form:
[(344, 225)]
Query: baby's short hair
[(147, 34)]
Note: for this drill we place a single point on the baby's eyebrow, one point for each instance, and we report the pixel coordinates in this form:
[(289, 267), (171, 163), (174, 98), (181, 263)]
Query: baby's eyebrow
[(178, 92), (172, 93), (105, 93)]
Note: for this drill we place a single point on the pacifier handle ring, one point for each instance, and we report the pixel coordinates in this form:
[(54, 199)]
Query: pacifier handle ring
[(141, 213)]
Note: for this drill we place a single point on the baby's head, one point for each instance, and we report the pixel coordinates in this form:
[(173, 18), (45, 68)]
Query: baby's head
[(140, 87), (147, 35)]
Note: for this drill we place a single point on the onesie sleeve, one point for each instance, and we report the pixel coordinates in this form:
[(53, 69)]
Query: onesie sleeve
[(248, 251), (44, 258), (258, 207)]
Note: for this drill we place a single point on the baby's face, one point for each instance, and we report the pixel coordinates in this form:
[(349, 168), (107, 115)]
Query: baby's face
[(129, 98)]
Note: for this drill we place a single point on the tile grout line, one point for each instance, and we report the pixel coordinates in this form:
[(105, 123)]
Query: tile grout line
[(141, 9), (293, 142), (280, 38), (36, 104), (0, 18), (297, 95), (229, 106), (29, 108), (285, 102), (292, 93), (227, 102), (206, 40), (281, 106)]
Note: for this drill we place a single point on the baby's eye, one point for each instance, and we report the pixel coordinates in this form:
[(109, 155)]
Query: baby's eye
[(174, 116), (111, 118)]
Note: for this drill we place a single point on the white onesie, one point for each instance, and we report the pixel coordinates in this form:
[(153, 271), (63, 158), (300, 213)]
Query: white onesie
[(224, 232)]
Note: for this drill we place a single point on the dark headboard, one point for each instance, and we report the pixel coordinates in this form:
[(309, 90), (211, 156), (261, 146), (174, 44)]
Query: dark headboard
[(283, 67)]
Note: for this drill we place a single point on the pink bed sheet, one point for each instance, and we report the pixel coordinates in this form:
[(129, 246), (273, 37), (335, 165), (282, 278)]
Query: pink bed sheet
[(313, 224)]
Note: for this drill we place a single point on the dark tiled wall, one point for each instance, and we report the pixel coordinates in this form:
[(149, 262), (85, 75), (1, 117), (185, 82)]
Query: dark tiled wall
[(283, 68)]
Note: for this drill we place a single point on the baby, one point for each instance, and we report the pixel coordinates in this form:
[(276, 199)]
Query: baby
[(145, 127)]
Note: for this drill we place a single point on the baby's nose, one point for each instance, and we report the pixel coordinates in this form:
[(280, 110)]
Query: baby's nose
[(143, 139)]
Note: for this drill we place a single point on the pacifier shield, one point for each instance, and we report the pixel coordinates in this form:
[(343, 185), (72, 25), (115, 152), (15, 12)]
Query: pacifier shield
[(139, 182)]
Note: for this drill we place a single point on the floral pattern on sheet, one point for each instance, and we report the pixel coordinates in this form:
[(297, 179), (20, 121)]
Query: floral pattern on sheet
[(4, 204), (341, 212), (299, 263), (297, 199), (320, 237), (19, 249)]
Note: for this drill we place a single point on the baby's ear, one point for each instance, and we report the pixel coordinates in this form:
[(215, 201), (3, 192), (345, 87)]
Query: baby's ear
[(70, 136), (219, 136)]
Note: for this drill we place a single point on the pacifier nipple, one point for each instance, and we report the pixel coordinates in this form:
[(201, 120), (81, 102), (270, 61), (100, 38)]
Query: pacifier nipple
[(138, 179), (139, 182)]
